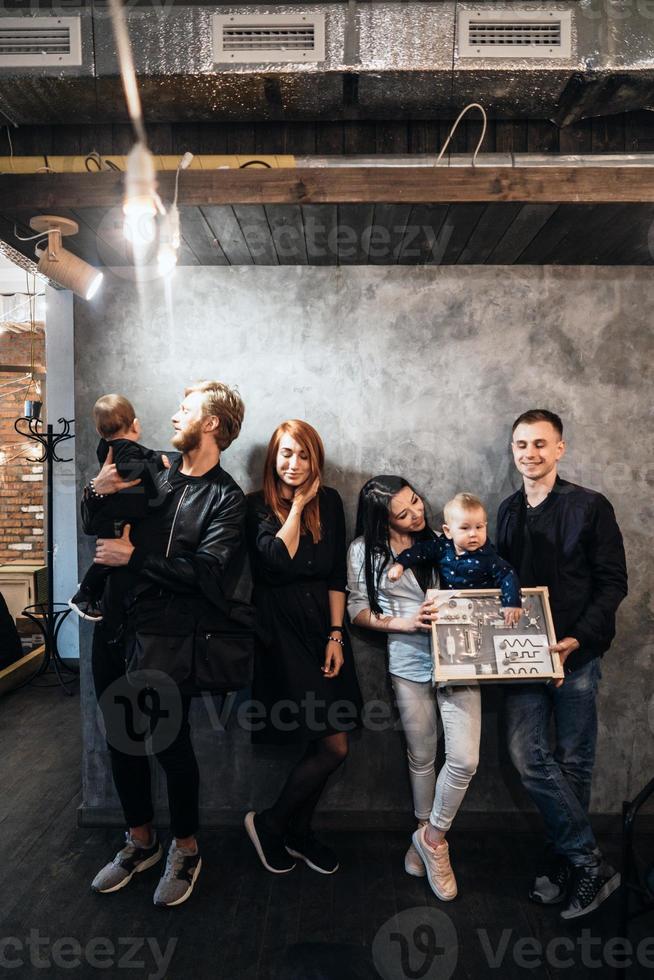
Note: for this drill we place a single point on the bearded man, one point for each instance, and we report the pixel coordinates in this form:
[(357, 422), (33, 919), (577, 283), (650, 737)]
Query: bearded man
[(190, 558)]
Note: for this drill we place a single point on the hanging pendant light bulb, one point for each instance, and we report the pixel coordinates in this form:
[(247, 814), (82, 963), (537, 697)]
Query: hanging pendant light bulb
[(33, 404), (170, 235), (173, 221), (169, 239), (140, 203)]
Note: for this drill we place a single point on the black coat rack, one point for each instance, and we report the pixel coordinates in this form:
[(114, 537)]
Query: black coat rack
[(48, 616)]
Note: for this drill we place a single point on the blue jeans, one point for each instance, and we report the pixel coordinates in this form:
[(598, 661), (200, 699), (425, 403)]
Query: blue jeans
[(558, 778)]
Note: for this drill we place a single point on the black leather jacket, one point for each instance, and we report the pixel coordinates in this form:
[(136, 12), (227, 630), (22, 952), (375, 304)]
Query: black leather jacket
[(583, 565), (206, 554)]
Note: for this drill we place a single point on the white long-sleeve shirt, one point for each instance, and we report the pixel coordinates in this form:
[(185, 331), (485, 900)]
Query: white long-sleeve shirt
[(409, 654)]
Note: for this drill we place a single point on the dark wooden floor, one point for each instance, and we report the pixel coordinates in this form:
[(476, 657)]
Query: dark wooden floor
[(242, 923)]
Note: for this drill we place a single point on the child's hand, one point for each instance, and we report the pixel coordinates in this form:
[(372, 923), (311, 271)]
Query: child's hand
[(512, 615), (395, 572)]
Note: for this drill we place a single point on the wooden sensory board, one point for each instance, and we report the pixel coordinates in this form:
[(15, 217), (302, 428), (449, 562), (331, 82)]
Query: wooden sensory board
[(470, 642)]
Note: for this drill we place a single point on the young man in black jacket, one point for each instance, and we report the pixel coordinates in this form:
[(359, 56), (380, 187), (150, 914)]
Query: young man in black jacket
[(566, 537), (202, 559)]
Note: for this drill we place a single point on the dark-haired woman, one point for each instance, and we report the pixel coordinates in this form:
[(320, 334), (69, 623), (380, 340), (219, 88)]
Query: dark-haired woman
[(304, 673), (391, 517)]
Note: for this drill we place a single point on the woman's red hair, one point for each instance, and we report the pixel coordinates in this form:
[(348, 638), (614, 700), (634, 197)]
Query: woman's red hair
[(311, 443)]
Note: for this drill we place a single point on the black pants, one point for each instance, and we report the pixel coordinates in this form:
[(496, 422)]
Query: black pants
[(112, 586), (140, 723), (95, 577)]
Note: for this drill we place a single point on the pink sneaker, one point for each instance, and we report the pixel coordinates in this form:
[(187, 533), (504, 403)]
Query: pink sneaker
[(437, 865), (413, 863)]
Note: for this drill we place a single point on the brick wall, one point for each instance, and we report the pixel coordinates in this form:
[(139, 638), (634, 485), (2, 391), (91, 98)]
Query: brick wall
[(21, 481)]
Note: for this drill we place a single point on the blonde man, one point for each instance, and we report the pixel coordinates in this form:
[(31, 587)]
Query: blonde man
[(199, 570)]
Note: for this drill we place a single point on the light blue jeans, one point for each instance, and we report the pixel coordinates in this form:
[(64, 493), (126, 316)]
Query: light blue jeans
[(438, 799)]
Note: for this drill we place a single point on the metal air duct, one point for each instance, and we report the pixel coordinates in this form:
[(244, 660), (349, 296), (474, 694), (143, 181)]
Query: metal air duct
[(557, 59)]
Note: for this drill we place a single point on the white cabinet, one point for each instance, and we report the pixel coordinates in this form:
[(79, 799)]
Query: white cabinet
[(19, 585)]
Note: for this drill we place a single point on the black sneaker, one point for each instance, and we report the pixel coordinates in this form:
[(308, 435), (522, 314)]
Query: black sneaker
[(318, 856), (589, 888), (86, 607), (551, 882), (270, 847)]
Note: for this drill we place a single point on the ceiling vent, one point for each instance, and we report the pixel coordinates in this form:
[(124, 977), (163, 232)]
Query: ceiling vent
[(534, 34), (247, 39), (39, 42)]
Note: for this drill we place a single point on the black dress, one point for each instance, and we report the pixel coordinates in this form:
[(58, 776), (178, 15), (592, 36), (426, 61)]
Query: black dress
[(291, 596)]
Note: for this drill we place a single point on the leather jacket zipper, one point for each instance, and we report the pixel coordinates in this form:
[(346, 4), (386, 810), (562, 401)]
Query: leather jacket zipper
[(179, 504)]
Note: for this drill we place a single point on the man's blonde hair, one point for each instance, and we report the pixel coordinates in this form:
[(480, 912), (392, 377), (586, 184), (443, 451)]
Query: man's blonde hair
[(462, 501), (113, 414), (226, 404)]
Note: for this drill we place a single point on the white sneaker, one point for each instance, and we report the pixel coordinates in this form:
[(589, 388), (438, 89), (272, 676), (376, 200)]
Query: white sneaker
[(437, 865)]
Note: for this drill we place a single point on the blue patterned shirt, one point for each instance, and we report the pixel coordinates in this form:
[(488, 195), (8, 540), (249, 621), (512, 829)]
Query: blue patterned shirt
[(480, 569)]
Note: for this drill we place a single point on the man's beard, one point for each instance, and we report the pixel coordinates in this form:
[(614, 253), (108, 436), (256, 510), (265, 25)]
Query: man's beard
[(189, 439)]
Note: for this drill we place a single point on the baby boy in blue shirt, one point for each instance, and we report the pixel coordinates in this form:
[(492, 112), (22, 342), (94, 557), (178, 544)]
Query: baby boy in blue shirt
[(464, 557)]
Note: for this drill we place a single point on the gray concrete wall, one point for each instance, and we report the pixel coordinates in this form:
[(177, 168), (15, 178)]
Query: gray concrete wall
[(418, 371)]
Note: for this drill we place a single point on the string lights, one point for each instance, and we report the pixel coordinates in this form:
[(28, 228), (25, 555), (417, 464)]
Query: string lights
[(28, 386)]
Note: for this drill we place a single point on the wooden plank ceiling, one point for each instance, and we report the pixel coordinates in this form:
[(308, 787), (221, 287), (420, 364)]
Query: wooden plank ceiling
[(598, 217)]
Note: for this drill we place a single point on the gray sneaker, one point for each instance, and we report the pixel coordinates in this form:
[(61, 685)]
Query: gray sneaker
[(131, 859), (176, 884), (551, 882)]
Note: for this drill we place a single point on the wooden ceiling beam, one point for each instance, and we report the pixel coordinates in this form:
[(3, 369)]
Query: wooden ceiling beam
[(343, 185)]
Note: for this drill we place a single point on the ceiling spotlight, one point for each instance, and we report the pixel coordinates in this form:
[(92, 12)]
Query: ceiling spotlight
[(60, 265), (141, 201)]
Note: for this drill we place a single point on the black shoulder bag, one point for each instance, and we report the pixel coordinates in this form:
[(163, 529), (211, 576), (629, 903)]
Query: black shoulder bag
[(195, 643)]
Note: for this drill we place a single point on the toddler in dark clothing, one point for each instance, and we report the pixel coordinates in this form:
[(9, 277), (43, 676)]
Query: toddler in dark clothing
[(119, 429), (464, 557)]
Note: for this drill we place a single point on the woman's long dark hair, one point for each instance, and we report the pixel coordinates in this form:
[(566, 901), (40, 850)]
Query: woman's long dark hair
[(372, 524)]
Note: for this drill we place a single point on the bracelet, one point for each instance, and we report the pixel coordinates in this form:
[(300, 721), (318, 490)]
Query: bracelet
[(337, 629), (93, 492), (335, 639)]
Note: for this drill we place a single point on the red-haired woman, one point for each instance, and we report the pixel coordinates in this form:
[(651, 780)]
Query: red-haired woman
[(304, 673)]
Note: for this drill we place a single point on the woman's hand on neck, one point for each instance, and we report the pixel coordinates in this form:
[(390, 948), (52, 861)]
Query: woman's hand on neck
[(302, 495), (290, 530)]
